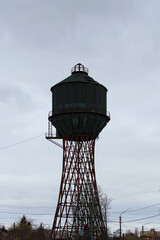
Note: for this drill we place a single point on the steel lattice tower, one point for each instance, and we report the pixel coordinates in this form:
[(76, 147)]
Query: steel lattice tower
[(78, 119)]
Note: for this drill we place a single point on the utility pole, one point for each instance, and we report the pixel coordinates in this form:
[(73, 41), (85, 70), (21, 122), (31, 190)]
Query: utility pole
[(14, 227), (142, 231), (120, 223)]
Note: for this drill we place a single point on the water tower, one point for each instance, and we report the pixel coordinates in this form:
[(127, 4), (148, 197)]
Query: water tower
[(79, 113)]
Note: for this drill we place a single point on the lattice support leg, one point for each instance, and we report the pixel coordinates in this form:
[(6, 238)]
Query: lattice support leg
[(78, 201)]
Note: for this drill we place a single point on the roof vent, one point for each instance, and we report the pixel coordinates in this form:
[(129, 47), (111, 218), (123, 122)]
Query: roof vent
[(79, 68)]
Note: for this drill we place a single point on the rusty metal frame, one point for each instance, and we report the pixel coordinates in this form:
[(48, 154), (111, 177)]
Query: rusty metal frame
[(78, 201)]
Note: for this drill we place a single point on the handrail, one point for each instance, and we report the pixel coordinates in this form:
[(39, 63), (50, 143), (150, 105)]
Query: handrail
[(79, 68), (78, 111), (49, 135)]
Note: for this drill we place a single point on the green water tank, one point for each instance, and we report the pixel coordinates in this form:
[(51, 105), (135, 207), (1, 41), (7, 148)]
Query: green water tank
[(79, 105)]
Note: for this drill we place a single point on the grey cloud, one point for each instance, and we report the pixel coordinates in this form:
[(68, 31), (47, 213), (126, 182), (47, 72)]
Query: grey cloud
[(15, 97)]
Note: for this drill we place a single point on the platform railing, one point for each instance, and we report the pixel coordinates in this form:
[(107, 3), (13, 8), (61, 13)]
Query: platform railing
[(78, 110), (50, 133), (79, 68)]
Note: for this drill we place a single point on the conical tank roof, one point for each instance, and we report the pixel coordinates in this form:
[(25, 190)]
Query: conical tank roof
[(79, 73)]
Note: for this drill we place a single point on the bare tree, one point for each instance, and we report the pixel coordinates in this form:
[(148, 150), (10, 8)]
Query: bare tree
[(84, 209), (136, 231), (105, 203), (128, 231)]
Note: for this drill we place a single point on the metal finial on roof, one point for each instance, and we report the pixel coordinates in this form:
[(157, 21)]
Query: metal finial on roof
[(79, 68)]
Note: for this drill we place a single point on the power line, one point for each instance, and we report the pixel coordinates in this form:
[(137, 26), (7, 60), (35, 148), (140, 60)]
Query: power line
[(39, 214), (134, 220), (138, 209), (32, 207), (138, 219), (18, 143), (53, 208), (136, 193), (127, 226)]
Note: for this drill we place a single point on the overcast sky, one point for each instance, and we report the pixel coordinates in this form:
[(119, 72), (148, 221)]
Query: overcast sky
[(119, 41)]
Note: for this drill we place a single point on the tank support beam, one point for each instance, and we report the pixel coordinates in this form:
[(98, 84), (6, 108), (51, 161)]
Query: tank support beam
[(78, 202)]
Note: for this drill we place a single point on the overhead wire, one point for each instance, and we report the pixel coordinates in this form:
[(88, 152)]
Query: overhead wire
[(53, 209), (126, 195), (138, 209), (127, 226), (18, 143), (22, 206), (40, 214), (116, 198), (155, 189), (138, 219)]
